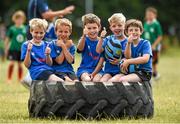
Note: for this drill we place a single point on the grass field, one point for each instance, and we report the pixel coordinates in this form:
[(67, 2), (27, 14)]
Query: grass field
[(166, 91)]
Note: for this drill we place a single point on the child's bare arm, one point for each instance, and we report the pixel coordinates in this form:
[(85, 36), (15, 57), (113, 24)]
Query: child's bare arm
[(157, 41), (127, 51), (48, 57), (60, 58), (98, 67), (99, 48), (67, 54), (139, 60), (6, 43), (27, 60), (81, 43)]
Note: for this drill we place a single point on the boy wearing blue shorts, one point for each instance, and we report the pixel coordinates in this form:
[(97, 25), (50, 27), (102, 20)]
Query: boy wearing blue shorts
[(87, 47), (63, 50), (117, 24), (138, 52)]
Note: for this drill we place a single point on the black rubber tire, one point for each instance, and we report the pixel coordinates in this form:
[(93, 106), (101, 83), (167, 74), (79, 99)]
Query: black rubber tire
[(91, 100)]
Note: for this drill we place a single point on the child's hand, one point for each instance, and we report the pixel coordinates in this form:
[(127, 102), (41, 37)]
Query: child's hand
[(130, 38), (124, 65), (85, 31), (92, 75), (114, 62), (153, 47), (47, 50), (103, 33), (29, 47), (60, 43)]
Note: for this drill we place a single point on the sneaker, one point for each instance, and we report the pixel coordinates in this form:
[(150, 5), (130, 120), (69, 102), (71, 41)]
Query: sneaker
[(27, 81)]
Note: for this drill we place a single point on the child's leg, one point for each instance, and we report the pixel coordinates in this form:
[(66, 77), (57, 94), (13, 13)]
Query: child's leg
[(53, 77), (154, 63), (130, 78), (67, 78), (116, 78), (97, 77), (10, 70), (105, 78), (85, 77), (20, 71)]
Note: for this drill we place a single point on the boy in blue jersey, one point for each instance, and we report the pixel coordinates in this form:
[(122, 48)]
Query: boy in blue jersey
[(36, 53), (87, 47), (63, 50), (117, 25), (138, 52)]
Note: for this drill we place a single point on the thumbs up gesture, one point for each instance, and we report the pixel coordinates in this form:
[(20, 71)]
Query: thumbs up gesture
[(29, 47), (103, 33), (48, 50)]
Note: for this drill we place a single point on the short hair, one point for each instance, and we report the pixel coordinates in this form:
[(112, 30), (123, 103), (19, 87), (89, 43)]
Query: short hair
[(134, 23), (91, 18), (37, 22), (152, 9), (19, 14), (117, 18), (63, 21)]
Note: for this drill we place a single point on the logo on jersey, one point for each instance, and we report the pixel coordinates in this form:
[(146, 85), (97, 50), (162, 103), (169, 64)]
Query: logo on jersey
[(152, 29), (20, 38)]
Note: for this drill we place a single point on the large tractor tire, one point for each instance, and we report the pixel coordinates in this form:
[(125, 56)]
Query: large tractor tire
[(90, 100)]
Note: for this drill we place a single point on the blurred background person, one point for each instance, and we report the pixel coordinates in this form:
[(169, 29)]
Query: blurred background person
[(15, 37), (153, 33)]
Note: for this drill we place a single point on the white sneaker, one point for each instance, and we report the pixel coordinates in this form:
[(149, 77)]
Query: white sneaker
[(27, 81)]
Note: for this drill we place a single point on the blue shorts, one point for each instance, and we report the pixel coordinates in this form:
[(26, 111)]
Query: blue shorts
[(44, 75)]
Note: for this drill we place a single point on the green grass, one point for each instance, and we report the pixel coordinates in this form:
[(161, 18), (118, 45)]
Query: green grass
[(13, 97)]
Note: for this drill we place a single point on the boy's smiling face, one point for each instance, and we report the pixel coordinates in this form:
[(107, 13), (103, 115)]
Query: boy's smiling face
[(37, 34), (93, 30), (134, 31), (117, 28), (63, 32)]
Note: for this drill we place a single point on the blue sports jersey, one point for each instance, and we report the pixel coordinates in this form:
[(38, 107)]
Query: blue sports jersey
[(64, 66), (90, 57), (143, 47), (111, 68), (38, 59), (36, 8)]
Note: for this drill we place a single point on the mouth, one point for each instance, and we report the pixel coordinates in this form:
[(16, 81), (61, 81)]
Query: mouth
[(135, 36), (118, 32), (93, 34)]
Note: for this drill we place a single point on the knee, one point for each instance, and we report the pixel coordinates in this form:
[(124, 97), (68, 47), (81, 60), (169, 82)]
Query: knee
[(122, 79), (96, 79), (86, 78)]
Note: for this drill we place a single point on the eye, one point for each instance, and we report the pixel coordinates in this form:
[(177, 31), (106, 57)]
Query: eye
[(136, 29), (113, 26), (41, 33), (94, 28), (66, 32)]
